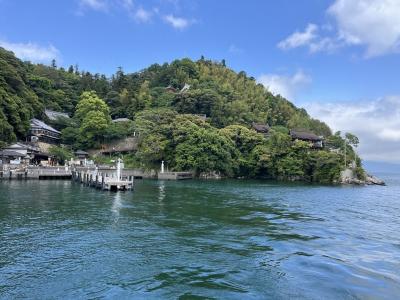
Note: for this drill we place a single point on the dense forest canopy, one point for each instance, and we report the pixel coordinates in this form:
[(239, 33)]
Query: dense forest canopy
[(162, 102), (224, 96)]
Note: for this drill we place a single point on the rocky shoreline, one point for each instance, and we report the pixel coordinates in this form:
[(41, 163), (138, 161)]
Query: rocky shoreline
[(369, 180)]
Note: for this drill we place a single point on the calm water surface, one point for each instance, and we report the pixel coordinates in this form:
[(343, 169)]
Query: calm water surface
[(199, 239)]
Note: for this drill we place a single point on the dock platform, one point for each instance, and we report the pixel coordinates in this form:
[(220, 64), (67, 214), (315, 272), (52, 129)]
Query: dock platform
[(175, 175), (108, 179), (103, 181), (36, 173)]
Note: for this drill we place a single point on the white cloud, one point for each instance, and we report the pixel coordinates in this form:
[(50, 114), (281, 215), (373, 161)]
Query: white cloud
[(99, 5), (374, 24), (326, 44), (140, 14), (376, 123), (143, 16), (177, 22), (32, 51), (298, 38), (136, 12), (286, 86), (312, 39)]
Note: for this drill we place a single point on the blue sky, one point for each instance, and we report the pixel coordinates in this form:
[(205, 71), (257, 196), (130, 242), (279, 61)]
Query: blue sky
[(337, 58)]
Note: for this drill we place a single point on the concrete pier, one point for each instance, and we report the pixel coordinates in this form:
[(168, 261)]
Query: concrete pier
[(102, 177), (106, 179), (175, 175), (103, 180), (36, 173)]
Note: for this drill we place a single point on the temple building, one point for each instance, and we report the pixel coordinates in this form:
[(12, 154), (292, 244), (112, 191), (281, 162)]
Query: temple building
[(40, 131), (121, 120), (11, 157), (261, 128), (81, 158), (315, 140), (25, 153)]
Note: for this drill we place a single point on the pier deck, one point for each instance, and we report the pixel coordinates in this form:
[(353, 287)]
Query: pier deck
[(109, 179), (175, 175), (36, 173)]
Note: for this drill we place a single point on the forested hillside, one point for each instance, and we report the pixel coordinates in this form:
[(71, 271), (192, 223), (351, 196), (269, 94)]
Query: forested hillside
[(163, 114), (220, 93)]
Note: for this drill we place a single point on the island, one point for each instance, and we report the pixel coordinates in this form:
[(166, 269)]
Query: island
[(195, 116)]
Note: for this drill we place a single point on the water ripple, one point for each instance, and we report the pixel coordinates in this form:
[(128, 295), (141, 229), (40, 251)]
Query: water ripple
[(199, 240)]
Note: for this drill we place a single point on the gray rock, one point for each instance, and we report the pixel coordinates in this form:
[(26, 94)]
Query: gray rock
[(372, 180), (348, 177)]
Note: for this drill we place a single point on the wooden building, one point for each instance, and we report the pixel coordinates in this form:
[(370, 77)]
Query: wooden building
[(11, 157), (261, 128), (121, 120), (302, 135), (44, 132), (171, 89), (26, 149), (201, 116), (28, 154), (81, 157)]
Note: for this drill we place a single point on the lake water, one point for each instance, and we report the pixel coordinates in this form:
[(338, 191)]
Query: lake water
[(199, 239)]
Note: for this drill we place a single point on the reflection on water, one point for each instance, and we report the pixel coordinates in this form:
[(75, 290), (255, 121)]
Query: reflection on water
[(116, 206), (221, 239), (161, 188)]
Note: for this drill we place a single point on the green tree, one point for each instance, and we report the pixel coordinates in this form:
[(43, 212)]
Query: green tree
[(70, 136), (204, 150), (335, 141), (93, 128), (152, 149), (291, 164), (352, 139), (92, 113), (90, 102), (325, 167), (245, 140), (61, 154), (118, 131), (144, 96), (6, 130), (197, 102)]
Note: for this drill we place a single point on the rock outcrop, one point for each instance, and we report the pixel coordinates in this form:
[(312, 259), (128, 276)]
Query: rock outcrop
[(372, 180), (348, 177)]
